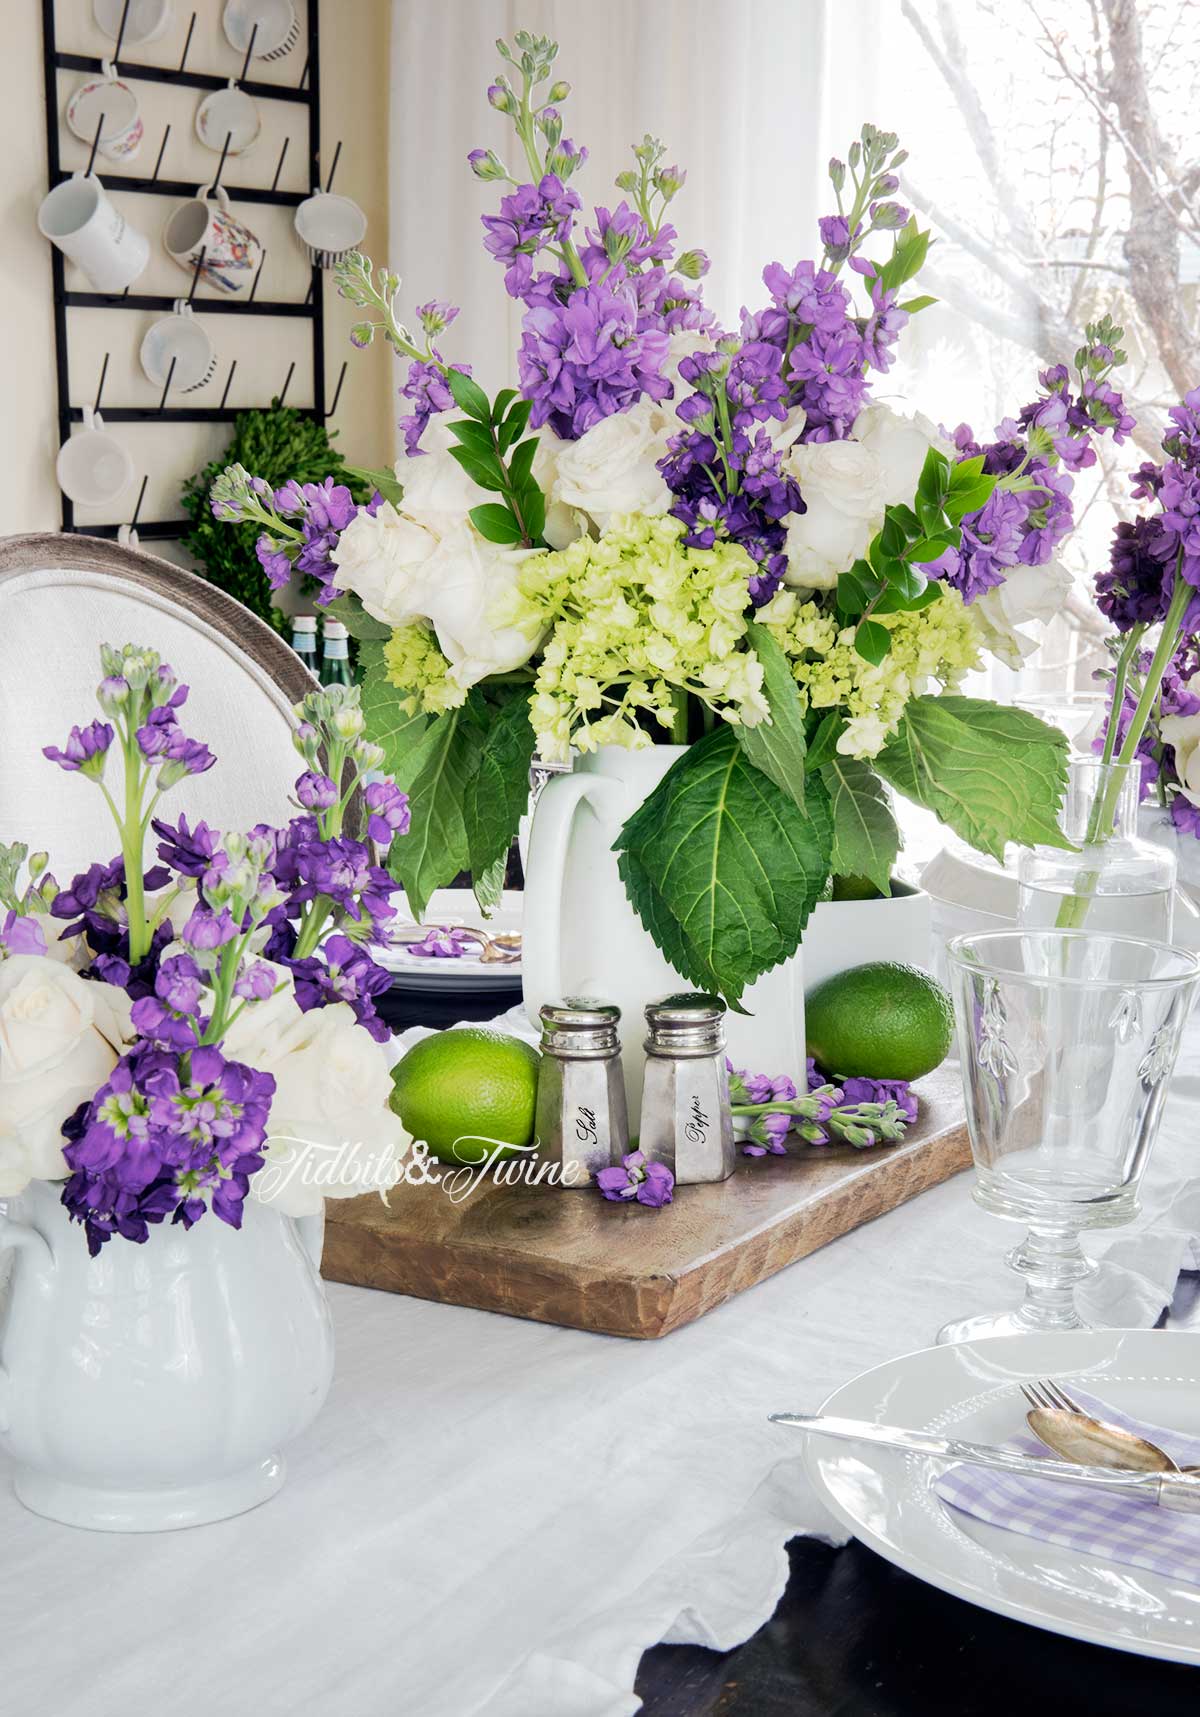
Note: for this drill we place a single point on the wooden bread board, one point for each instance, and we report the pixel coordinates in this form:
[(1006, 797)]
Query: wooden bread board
[(571, 1257)]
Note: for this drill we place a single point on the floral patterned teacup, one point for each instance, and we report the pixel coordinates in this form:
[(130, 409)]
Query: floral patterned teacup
[(204, 225)]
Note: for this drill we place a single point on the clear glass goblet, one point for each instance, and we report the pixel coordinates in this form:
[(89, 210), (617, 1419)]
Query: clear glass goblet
[(1067, 1040)]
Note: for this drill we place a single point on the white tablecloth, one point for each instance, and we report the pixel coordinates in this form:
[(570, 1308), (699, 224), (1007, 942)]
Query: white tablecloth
[(497, 1517)]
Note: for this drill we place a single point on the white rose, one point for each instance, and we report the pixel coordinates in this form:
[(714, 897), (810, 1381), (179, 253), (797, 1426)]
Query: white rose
[(563, 523), (438, 494), (380, 559), (60, 1037), (900, 444), (1028, 593), (330, 1133), (1182, 733), (612, 468), (842, 486), (462, 583)]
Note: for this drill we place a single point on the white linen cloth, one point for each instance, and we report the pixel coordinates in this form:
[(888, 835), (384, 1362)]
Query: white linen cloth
[(496, 1517)]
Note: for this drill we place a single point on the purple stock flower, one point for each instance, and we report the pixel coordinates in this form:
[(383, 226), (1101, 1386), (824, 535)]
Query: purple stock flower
[(86, 750), (648, 1183), (532, 217), (387, 811), (582, 361), (344, 972), (1185, 816), (168, 1135), (430, 394), (188, 851), (1135, 591), (255, 981), (275, 561), (444, 942), (21, 935), (898, 1091)]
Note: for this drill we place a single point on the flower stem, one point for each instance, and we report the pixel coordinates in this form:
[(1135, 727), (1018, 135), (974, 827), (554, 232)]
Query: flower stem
[(1074, 909)]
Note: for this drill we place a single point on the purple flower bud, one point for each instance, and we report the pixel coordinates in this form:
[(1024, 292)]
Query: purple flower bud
[(21, 935), (207, 930), (86, 750), (255, 982), (316, 792), (388, 812)]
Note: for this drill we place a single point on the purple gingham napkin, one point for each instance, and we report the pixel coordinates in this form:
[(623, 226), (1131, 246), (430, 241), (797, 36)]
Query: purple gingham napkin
[(1132, 1530)]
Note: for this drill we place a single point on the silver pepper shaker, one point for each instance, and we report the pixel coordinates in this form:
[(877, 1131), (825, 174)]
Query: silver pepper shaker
[(686, 1118), (581, 1120)]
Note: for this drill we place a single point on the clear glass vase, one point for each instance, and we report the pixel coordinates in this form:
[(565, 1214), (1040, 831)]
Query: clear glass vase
[(1116, 881), (1067, 1040)]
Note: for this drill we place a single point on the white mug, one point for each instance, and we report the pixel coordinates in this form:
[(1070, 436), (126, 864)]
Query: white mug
[(93, 468), (203, 225), (78, 217)]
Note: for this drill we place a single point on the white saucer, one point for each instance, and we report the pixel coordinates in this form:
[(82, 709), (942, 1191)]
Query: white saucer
[(886, 1498)]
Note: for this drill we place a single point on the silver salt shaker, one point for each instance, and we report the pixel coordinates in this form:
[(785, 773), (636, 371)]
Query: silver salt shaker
[(581, 1120), (686, 1119)]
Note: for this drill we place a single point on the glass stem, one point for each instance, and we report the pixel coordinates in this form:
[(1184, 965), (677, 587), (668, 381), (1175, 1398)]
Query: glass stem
[(1052, 1263)]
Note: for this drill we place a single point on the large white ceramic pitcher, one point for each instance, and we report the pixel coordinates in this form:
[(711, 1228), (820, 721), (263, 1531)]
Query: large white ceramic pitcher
[(582, 937), (155, 1385)]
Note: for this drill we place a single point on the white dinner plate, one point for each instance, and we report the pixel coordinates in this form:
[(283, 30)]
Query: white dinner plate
[(886, 1499), (464, 974)]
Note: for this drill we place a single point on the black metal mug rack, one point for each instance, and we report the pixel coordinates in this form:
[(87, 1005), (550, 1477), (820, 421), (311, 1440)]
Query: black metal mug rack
[(307, 92)]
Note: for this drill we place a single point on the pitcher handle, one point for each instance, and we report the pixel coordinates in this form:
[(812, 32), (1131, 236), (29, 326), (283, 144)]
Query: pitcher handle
[(18, 1236), (549, 836)]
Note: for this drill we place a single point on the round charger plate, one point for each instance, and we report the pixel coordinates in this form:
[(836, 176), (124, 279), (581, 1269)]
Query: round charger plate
[(146, 21), (463, 974), (111, 97), (886, 1498), (181, 338), (228, 113), (277, 26)]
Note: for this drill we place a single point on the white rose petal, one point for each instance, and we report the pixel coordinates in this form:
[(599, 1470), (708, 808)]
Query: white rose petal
[(899, 444), (1029, 593), (330, 1133), (380, 558), (563, 523), (60, 1037), (1182, 734), (464, 580), (842, 486), (438, 494), (612, 468)]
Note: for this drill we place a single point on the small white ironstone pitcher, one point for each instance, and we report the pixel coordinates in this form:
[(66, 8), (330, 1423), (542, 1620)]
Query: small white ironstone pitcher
[(155, 1385)]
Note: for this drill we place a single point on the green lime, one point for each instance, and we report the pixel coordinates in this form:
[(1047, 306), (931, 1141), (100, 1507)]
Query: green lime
[(883, 1021), (855, 888), (465, 1092)]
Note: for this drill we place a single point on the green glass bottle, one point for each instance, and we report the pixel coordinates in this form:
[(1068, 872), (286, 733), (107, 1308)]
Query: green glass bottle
[(304, 640), (335, 656)]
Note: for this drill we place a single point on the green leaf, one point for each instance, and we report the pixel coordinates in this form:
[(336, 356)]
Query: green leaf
[(776, 747), (520, 414), (399, 733), (723, 867), (912, 305), (533, 509), (474, 435), (387, 482), (469, 396), (934, 480), (488, 473), (502, 402), (991, 774), (495, 523), (520, 466), (928, 549), (865, 837), (857, 589), (966, 473), (440, 772), (489, 885), (822, 741), (498, 794), (966, 501), (872, 641), (354, 617)]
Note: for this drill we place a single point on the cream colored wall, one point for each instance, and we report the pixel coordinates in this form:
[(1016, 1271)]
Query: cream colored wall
[(354, 91)]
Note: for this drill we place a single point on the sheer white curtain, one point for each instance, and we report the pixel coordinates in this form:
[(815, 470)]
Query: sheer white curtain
[(751, 98)]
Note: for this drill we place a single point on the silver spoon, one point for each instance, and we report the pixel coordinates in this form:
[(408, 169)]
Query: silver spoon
[(1065, 1428)]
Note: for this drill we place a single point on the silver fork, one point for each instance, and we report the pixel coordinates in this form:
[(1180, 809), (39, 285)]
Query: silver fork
[(1071, 1431)]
